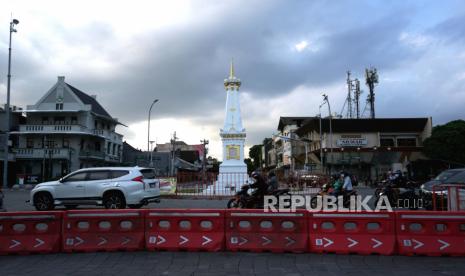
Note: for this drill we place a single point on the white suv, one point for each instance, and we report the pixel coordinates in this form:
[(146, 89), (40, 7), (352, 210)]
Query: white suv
[(112, 187)]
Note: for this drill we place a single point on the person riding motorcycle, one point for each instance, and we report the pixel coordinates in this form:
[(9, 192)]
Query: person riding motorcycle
[(272, 182), (260, 186), (337, 185)]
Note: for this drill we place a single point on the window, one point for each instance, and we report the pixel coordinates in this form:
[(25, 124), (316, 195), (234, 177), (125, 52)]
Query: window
[(98, 175), (81, 176), (44, 120), (29, 143), (148, 173), (97, 146), (59, 106), (65, 143), (116, 174), (387, 142), (73, 120), (406, 142), (109, 148), (114, 149), (59, 120)]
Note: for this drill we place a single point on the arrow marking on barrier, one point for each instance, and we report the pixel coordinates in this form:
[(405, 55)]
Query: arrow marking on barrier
[(102, 241), (290, 241), (160, 240), (15, 243), (184, 240), (444, 244), (418, 244), (125, 241), (80, 241), (320, 242), (39, 243), (206, 240), (377, 243), (352, 242), (243, 240), (267, 241)]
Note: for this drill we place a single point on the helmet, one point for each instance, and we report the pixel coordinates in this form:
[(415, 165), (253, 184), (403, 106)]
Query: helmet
[(255, 175)]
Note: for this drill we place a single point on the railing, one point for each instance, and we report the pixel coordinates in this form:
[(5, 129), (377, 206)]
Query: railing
[(64, 128), (214, 185), (448, 197), (54, 153), (92, 154)]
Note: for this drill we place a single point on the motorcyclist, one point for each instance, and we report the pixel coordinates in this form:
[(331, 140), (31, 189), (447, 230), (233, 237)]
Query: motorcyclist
[(272, 182), (337, 185), (347, 186), (260, 186)]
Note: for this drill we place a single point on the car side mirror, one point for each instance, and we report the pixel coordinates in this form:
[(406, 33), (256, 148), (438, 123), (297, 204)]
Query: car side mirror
[(60, 180)]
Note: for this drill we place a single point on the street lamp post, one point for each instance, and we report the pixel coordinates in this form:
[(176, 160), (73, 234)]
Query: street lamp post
[(151, 154), (325, 100), (148, 128), (13, 23)]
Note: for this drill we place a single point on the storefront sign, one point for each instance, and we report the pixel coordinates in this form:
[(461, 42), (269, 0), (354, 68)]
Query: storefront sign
[(351, 141)]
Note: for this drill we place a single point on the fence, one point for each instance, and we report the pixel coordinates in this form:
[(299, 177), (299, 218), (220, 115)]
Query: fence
[(215, 185)]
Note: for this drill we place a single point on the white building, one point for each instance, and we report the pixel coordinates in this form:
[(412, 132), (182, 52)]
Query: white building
[(64, 131)]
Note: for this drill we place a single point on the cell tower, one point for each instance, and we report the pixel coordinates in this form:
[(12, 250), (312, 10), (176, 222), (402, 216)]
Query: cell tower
[(353, 98), (371, 77)]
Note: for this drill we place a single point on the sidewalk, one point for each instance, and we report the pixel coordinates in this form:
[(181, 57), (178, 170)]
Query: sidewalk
[(226, 263)]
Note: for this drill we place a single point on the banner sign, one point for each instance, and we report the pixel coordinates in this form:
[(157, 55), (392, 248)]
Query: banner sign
[(351, 141)]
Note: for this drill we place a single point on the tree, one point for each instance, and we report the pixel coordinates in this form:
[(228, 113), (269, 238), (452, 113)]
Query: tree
[(250, 165), (255, 153), (447, 142)]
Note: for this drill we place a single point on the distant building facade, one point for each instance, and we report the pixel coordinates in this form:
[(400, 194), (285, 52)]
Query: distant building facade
[(66, 130)]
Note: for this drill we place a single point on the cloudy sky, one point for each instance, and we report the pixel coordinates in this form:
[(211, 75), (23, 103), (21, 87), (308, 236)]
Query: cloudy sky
[(287, 53)]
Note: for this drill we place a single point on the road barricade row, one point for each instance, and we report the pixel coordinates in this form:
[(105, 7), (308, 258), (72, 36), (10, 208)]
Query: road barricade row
[(184, 229), (386, 233)]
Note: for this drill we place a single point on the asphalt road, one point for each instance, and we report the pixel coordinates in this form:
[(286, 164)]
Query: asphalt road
[(15, 200)]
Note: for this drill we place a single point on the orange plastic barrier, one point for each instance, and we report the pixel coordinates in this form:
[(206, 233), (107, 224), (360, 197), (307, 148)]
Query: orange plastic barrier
[(103, 230), (431, 233), (184, 229), (258, 231), (346, 232), (30, 232)]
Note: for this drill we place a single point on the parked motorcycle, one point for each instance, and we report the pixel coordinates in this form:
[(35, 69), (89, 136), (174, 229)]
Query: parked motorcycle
[(243, 200)]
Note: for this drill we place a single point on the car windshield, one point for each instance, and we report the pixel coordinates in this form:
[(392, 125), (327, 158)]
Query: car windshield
[(456, 179), (445, 175)]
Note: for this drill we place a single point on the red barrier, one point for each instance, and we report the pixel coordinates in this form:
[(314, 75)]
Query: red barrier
[(184, 229), (431, 233), (345, 232), (103, 230), (258, 231), (30, 232)]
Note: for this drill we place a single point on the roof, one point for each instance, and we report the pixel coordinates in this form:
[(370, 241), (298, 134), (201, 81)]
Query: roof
[(284, 121), (86, 99), (365, 125)]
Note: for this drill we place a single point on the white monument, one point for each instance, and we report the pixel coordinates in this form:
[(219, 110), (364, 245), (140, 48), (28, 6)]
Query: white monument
[(233, 170)]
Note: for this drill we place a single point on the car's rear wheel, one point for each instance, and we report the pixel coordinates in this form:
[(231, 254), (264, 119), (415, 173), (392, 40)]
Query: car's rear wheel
[(114, 200), (43, 202)]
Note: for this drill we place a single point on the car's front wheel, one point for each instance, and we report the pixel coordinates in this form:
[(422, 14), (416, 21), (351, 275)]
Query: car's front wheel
[(43, 202), (114, 200)]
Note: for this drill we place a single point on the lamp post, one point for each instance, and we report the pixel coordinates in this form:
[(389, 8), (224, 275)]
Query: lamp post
[(148, 127), (325, 100), (13, 23), (151, 154)]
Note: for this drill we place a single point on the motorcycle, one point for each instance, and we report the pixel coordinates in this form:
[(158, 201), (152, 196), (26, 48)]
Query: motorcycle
[(401, 195), (243, 200), (327, 190)]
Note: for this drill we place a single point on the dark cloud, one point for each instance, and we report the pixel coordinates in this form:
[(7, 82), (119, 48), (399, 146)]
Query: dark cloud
[(184, 66)]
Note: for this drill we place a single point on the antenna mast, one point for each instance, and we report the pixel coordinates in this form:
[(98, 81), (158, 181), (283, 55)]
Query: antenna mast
[(371, 77)]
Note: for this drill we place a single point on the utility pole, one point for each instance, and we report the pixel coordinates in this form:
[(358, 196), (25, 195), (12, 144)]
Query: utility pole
[(204, 159), (371, 77), (13, 23), (326, 100)]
